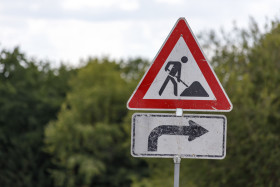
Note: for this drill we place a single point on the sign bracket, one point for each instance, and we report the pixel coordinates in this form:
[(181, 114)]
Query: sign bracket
[(179, 112), (177, 158)]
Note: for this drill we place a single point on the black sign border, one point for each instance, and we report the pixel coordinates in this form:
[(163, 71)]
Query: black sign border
[(181, 155)]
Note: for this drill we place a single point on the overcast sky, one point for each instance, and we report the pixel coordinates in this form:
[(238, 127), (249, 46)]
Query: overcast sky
[(69, 30)]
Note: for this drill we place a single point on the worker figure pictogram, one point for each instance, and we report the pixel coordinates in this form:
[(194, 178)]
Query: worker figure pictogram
[(194, 90), (175, 72)]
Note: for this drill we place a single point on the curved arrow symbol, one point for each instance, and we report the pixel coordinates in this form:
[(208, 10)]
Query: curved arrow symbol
[(193, 131)]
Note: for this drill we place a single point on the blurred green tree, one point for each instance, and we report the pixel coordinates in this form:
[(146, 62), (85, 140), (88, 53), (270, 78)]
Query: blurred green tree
[(249, 70), (31, 94), (89, 142)]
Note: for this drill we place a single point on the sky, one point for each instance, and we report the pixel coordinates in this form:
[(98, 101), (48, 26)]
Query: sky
[(71, 30)]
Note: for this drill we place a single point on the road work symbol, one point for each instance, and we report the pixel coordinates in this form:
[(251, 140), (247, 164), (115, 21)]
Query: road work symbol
[(194, 90), (193, 131), (180, 77)]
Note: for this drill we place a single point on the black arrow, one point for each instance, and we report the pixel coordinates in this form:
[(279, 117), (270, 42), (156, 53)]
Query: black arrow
[(193, 131)]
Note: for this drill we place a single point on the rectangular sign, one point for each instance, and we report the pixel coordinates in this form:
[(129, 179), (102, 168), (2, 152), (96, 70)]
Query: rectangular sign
[(168, 135)]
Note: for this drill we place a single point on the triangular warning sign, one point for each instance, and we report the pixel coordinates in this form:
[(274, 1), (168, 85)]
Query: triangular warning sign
[(180, 77)]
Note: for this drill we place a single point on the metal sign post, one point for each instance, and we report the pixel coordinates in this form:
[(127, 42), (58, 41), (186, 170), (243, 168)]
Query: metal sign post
[(177, 161)]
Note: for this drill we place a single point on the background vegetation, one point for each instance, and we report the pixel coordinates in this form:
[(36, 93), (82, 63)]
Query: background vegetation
[(70, 126)]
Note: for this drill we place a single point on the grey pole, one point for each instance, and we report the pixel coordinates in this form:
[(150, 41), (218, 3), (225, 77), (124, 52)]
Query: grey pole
[(177, 158), (177, 161)]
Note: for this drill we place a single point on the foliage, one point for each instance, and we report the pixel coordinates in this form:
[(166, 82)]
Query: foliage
[(253, 126), (31, 94), (89, 142)]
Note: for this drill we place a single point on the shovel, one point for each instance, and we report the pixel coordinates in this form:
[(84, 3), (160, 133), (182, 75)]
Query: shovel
[(194, 90)]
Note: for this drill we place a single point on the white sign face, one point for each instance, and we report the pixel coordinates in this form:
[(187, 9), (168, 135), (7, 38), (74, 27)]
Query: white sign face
[(188, 136), (188, 73)]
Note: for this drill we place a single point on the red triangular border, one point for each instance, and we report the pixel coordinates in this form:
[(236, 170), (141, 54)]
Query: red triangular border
[(136, 101)]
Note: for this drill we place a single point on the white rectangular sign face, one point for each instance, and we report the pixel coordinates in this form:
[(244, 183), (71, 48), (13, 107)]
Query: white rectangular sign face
[(168, 135)]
